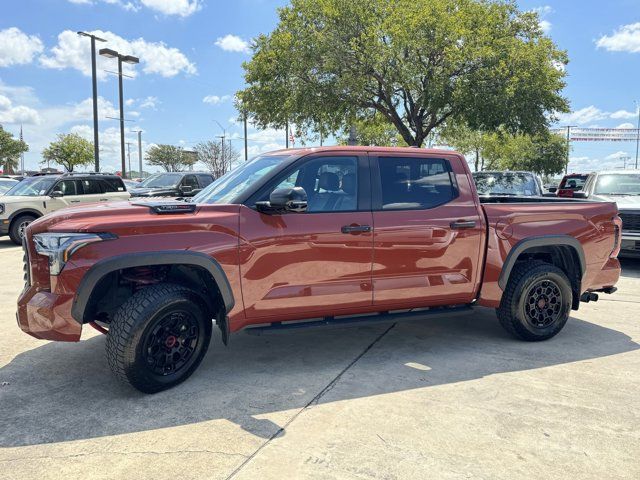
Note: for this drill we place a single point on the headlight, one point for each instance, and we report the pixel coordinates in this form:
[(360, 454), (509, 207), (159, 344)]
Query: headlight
[(60, 246)]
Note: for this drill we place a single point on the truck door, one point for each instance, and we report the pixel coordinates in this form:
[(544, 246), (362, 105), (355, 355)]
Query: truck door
[(317, 263), (428, 233)]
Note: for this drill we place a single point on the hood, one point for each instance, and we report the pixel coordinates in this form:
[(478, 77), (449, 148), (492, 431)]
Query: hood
[(129, 218), (20, 198), (631, 202), (159, 191)]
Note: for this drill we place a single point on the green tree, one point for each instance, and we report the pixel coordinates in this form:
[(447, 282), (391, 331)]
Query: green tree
[(466, 141), (372, 130), (69, 151), (418, 63), (10, 151), (544, 153), (170, 157)]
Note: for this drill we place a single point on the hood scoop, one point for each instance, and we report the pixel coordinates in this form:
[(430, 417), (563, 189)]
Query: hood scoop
[(167, 208)]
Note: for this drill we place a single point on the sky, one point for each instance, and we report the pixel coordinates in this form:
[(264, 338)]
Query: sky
[(191, 54)]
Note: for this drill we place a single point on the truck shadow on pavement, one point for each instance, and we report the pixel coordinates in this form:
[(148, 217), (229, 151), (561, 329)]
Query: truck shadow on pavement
[(62, 392)]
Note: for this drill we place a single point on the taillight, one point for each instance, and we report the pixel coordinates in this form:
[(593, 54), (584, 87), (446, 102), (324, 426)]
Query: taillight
[(617, 242)]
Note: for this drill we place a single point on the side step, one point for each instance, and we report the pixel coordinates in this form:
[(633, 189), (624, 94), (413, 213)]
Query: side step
[(375, 318)]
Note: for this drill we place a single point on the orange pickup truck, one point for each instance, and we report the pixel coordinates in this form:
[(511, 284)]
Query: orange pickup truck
[(310, 237)]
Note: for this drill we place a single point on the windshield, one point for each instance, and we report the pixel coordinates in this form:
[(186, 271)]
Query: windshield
[(234, 182), (618, 184), (6, 184), (161, 180), (33, 186), (506, 184)]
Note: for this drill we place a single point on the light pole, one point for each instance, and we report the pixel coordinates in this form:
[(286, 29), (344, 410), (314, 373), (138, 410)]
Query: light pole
[(96, 148), (139, 132), (638, 134), (566, 166), (130, 59)]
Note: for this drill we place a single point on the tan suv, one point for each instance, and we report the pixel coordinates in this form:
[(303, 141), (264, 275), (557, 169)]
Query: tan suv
[(36, 196)]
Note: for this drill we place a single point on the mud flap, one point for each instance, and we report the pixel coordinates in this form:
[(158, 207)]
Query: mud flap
[(223, 324)]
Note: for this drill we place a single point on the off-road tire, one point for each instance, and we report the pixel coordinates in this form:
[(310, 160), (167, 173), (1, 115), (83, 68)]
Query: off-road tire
[(526, 282), (16, 225), (137, 322)]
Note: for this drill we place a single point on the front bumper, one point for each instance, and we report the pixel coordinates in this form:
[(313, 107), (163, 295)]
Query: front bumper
[(630, 246), (47, 315)]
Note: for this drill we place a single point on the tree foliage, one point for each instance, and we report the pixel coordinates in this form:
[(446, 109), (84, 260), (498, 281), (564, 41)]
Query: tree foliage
[(170, 157), (69, 151), (10, 151), (466, 141), (372, 130), (418, 63), (217, 159), (544, 153)]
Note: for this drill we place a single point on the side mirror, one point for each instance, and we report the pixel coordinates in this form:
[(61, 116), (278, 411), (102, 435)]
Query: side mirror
[(285, 200), (56, 194), (579, 195), (185, 189)]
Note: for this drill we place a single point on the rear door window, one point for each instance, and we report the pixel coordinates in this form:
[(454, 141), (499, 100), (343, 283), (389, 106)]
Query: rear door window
[(92, 187), (205, 180), (411, 183), (113, 185)]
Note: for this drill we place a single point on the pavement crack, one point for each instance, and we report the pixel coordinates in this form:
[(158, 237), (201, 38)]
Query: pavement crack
[(313, 401), (109, 452)]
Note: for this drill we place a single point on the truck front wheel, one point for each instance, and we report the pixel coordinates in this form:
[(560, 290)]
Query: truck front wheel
[(537, 301), (158, 337)]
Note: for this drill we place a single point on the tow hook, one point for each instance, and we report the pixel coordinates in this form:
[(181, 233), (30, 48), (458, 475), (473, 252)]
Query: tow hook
[(589, 297)]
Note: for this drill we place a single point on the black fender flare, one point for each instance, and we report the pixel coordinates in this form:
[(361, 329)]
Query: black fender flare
[(536, 242), (24, 211), (171, 257)]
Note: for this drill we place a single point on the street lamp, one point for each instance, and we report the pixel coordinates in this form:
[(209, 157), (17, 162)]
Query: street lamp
[(96, 149), (130, 59)]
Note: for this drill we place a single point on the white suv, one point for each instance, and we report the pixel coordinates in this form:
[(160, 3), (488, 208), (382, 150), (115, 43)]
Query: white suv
[(36, 196)]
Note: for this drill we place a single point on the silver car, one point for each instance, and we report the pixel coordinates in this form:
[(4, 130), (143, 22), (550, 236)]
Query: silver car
[(622, 187)]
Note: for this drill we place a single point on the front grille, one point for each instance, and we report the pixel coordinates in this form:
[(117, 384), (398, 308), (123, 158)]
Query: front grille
[(26, 271), (630, 222)]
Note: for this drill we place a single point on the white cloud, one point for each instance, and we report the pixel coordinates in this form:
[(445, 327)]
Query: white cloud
[(215, 99), (626, 125), (182, 8), (623, 114), (625, 39), (588, 115), (73, 51), (584, 115), (233, 43), (150, 102), (18, 48), (19, 114), (543, 12)]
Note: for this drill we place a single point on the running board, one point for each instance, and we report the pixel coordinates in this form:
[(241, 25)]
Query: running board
[(439, 312)]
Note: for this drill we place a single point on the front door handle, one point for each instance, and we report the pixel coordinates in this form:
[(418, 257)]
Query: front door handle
[(355, 229), (460, 224), (74, 201)]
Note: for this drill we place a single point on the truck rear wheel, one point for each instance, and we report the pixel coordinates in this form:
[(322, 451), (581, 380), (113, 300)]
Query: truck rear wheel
[(537, 301), (158, 337)]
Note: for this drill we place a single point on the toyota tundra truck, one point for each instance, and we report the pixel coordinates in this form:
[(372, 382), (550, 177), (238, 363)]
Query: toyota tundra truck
[(310, 237)]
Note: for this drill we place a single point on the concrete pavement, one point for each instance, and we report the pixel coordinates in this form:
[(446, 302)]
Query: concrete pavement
[(448, 398)]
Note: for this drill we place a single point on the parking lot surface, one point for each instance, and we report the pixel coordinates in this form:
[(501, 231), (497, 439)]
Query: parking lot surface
[(445, 398)]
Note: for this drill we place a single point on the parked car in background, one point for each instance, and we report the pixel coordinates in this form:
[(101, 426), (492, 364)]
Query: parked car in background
[(7, 183), (571, 183), (497, 183), (622, 187), (310, 237), (172, 184), (36, 196), (130, 183)]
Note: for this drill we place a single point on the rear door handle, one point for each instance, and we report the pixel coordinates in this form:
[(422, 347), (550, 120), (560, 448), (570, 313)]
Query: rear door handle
[(356, 229), (460, 224), (74, 201)]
